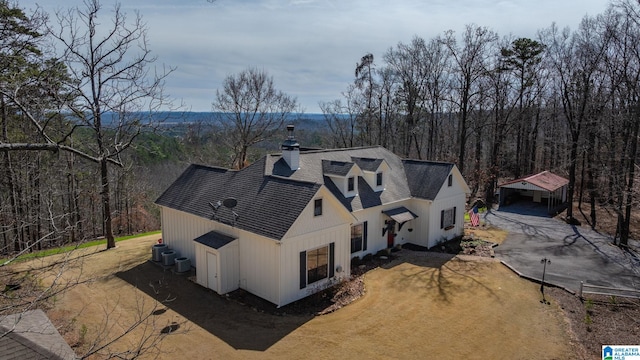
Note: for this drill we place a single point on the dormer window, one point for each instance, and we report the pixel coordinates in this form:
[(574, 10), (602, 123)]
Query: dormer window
[(379, 179), (351, 184)]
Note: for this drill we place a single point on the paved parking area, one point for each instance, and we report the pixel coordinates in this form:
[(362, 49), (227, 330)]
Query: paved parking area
[(575, 253)]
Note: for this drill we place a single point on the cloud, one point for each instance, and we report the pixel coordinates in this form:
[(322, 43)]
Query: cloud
[(311, 47)]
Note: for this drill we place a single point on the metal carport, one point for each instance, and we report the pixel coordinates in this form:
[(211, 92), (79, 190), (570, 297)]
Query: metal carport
[(542, 187)]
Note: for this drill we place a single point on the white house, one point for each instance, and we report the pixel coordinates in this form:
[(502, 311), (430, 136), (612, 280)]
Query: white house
[(288, 225)]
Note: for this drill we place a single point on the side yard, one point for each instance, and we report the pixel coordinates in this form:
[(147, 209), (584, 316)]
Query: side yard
[(419, 304)]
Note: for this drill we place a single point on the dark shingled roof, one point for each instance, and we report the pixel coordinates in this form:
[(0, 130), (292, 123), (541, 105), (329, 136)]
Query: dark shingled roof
[(271, 196), (425, 178), (367, 164), (267, 205), (312, 166), (334, 167), (214, 239), (30, 335)]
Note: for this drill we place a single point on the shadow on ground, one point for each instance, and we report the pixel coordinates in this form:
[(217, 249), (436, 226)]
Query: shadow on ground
[(240, 326)]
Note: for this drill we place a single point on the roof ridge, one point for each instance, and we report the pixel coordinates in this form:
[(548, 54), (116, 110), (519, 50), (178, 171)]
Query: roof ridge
[(341, 149), (292, 180), (429, 161)]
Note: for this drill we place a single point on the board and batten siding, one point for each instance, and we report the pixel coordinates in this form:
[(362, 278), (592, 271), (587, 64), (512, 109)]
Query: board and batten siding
[(448, 197), (228, 266), (260, 265), (180, 228), (333, 214), (419, 234), (375, 223), (258, 256), (290, 249)]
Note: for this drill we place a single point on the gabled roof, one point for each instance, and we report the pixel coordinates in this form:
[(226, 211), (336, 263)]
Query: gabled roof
[(334, 167), (425, 178), (266, 205), (270, 196), (545, 180), (367, 164), (30, 335), (312, 170)]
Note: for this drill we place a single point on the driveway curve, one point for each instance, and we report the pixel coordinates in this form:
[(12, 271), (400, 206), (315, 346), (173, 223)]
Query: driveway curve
[(575, 253)]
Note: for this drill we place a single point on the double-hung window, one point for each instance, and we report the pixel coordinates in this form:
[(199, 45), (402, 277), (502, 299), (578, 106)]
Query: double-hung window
[(447, 218), (316, 264), (359, 237)]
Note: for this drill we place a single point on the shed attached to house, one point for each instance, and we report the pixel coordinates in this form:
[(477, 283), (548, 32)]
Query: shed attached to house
[(219, 262), (544, 188)]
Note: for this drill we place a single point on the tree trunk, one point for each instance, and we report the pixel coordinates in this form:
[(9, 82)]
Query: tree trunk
[(624, 233), (572, 176), (106, 206)]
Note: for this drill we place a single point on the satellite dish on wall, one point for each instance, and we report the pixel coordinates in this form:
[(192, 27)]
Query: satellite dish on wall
[(230, 203)]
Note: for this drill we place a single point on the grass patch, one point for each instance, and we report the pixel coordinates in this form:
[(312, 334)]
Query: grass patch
[(64, 249)]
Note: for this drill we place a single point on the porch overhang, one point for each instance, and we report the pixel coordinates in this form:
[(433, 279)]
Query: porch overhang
[(400, 214)]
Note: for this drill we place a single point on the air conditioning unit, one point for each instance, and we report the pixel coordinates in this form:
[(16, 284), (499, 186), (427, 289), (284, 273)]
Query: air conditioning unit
[(169, 257), (157, 250), (183, 264)]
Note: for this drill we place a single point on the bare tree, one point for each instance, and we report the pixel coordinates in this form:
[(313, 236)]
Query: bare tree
[(407, 61), (250, 109), (576, 59), (469, 66), (342, 119), (112, 82)]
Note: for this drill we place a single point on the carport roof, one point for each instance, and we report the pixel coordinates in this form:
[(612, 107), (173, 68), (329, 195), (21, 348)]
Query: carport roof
[(545, 180)]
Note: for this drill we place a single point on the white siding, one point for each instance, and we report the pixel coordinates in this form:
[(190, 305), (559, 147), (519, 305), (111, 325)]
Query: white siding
[(180, 228), (258, 256), (228, 266), (333, 214), (259, 265), (524, 186), (375, 222), (420, 233), (290, 264), (438, 235)]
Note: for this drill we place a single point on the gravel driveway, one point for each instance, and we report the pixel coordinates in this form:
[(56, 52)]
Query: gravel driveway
[(575, 253)]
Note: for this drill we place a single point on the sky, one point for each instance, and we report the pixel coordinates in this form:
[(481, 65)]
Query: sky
[(311, 47)]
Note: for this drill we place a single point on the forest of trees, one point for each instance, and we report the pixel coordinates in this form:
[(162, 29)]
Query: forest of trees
[(79, 160)]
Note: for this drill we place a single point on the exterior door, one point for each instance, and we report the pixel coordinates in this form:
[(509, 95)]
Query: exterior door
[(212, 271), (391, 233)]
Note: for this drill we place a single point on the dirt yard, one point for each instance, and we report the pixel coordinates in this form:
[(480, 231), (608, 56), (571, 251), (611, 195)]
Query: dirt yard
[(418, 305)]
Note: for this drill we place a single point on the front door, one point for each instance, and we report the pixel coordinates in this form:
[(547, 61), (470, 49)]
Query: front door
[(212, 271), (391, 232)]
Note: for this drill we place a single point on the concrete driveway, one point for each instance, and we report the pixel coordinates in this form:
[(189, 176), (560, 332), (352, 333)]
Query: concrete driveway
[(575, 253)]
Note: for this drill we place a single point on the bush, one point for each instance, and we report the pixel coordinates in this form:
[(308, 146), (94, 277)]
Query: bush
[(384, 252), (356, 261)]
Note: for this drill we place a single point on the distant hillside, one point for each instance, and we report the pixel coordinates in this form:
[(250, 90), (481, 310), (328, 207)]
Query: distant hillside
[(166, 118)]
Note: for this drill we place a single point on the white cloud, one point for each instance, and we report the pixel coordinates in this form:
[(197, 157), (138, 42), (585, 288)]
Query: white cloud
[(311, 47)]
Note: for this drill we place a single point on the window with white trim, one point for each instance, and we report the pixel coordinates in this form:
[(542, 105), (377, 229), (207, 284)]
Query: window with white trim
[(351, 184)]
